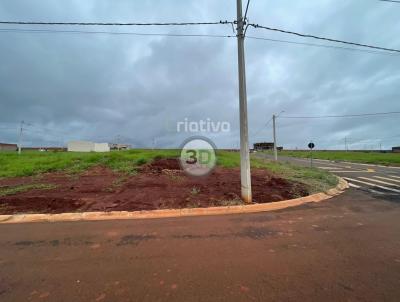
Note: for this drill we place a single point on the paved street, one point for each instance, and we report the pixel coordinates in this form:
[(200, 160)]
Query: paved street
[(376, 180), (344, 249)]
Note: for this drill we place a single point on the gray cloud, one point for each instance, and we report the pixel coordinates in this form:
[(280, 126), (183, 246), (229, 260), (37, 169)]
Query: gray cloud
[(81, 86)]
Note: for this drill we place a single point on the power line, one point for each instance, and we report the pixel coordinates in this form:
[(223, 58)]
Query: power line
[(247, 9), (114, 23), (262, 128), (322, 38), (182, 24), (389, 1), (51, 31), (324, 46), (339, 116)]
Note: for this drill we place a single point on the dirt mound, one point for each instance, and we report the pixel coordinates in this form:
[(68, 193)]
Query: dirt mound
[(158, 185), (159, 165)]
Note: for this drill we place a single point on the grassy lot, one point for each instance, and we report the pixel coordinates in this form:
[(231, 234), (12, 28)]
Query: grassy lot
[(392, 159), (316, 180), (33, 163)]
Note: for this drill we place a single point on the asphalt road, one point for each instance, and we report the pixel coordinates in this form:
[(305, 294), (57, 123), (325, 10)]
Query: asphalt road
[(343, 249), (376, 180)]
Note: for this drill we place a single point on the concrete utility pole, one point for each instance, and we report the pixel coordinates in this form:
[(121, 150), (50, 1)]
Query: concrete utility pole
[(274, 117), (118, 141), (21, 129), (274, 131), (245, 176)]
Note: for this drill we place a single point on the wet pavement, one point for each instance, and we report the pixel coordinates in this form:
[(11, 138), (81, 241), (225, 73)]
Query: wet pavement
[(343, 249)]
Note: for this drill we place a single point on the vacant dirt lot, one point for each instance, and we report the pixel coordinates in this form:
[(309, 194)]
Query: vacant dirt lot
[(161, 184)]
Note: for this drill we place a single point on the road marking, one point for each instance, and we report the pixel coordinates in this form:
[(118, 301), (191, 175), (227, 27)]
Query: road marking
[(361, 164), (327, 168), (349, 171), (327, 163), (365, 189), (371, 184), (380, 181), (386, 178), (395, 176), (375, 191), (370, 165)]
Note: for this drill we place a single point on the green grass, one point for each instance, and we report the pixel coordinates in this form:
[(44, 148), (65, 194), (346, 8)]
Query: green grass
[(387, 159), (228, 159), (316, 180), (4, 191), (34, 163)]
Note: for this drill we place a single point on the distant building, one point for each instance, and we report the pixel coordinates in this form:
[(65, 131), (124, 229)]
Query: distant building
[(396, 149), (120, 147), (265, 146), (44, 149), (101, 147), (86, 146), (8, 147)]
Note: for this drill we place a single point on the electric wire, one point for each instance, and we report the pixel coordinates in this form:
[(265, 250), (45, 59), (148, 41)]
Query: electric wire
[(324, 46), (52, 31), (257, 26), (39, 31), (322, 38), (262, 128), (113, 23), (394, 1), (341, 116), (247, 9)]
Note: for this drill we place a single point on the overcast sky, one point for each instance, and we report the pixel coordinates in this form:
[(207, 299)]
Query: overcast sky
[(99, 86)]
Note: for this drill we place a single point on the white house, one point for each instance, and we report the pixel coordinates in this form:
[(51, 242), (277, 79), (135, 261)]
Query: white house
[(85, 146), (101, 147)]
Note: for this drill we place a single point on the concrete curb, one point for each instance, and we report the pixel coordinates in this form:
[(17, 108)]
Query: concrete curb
[(253, 208)]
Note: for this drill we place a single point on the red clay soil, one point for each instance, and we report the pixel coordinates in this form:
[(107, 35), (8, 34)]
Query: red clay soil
[(159, 185)]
